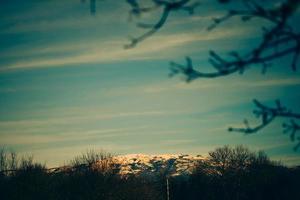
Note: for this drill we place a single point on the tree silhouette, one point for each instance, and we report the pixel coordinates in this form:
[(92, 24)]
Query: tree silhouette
[(233, 173), (166, 6), (280, 40)]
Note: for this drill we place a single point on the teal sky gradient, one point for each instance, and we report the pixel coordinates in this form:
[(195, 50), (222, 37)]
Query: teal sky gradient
[(68, 85)]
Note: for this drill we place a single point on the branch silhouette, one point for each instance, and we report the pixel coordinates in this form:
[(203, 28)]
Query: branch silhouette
[(279, 40), (166, 6), (267, 115)]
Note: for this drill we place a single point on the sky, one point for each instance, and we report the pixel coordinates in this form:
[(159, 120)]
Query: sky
[(68, 85)]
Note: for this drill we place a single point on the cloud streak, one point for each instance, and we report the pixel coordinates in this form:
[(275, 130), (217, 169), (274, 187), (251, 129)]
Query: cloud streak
[(87, 135), (78, 118), (155, 48)]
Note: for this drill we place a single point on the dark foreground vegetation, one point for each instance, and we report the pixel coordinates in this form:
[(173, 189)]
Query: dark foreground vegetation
[(228, 173)]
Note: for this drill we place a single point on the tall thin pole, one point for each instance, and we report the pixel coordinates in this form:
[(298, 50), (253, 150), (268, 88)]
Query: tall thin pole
[(168, 192)]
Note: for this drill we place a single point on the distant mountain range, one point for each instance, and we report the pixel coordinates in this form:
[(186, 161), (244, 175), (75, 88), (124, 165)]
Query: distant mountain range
[(141, 164), (168, 164)]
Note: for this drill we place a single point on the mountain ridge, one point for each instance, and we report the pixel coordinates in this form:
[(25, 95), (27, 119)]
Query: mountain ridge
[(170, 164)]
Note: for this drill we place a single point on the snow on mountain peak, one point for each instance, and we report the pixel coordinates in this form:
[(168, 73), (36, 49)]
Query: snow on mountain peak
[(171, 164)]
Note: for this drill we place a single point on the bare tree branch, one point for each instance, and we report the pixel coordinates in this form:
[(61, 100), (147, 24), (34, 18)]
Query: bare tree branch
[(267, 114), (166, 6), (280, 36), (278, 41)]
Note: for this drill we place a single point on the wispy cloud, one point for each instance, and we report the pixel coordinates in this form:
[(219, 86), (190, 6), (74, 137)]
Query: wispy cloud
[(175, 142), (274, 82), (291, 160), (170, 86), (77, 118), (156, 47), (67, 136), (63, 15), (243, 83)]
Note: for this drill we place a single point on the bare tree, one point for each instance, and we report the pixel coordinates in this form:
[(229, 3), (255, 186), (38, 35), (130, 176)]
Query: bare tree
[(278, 41), (101, 161), (8, 160), (236, 159), (163, 5)]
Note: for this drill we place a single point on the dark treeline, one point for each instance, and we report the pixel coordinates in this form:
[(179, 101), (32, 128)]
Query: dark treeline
[(227, 173)]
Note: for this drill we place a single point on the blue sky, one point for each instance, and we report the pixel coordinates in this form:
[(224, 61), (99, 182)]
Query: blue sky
[(68, 85)]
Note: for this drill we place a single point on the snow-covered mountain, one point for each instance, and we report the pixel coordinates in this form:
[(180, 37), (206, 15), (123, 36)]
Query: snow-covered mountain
[(141, 164), (171, 164)]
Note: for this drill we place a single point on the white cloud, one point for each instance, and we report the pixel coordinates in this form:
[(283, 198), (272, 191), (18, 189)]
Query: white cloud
[(275, 82), (77, 118), (229, 84), (64, 136), (65, 23), (156, 47), (174, 142)]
